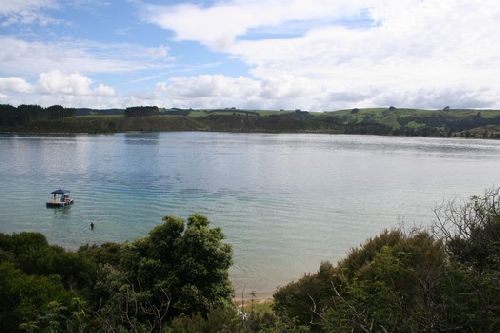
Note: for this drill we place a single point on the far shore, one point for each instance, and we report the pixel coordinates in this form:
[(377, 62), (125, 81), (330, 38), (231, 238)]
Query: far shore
[(463, 123), (70, 134)]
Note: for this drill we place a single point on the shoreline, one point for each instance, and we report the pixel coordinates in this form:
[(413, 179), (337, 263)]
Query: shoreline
[(69, 134)]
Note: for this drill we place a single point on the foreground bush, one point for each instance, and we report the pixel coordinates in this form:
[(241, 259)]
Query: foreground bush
[(447, 280), (179, 268)]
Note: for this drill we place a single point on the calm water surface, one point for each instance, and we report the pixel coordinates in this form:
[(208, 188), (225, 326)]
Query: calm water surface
[(285, 202)]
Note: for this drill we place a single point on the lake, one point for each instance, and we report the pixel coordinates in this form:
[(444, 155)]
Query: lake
[(284, 201)]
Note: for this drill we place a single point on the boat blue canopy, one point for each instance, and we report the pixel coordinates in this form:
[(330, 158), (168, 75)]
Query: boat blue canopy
[(60, 191)]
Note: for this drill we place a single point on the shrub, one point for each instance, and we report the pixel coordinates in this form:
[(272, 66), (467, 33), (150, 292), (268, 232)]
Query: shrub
[(409, 282)]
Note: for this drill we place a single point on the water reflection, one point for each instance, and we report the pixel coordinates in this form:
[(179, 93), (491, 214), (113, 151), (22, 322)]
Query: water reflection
[(142, 138)]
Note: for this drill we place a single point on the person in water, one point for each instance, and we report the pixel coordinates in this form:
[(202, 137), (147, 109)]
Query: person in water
[(92, 225)]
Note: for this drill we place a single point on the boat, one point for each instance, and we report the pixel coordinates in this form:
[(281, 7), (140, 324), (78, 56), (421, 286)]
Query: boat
[(60, 199)]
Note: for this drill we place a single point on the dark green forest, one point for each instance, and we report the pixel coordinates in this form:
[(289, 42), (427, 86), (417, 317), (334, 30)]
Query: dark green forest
[(141, 111), (11, 116), (441, 279), (389, 121)]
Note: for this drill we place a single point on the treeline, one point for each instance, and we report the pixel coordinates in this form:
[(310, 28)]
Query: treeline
[(141, 111), (11, 116), (176, 280)]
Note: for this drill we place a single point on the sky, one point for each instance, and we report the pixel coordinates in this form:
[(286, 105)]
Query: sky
[(316, 55)]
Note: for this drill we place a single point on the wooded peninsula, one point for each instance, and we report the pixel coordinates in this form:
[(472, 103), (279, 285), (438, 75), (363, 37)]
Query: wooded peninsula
[(390, 121)]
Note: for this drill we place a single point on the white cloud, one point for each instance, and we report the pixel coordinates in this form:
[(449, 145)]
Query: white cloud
[(219, 91), (25, 12), (210, 86), (419, 53), (21, 57), (207, 91), (19, 6), (158, 52), (75, 84), (103, 90), (218, 26), (56, 82), (56, 87), (15, 85)]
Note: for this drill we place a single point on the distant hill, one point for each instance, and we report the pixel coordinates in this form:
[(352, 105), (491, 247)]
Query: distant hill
[(377, 121), (418, 122)]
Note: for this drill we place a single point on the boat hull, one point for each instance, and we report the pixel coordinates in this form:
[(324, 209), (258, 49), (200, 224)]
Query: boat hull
[(57, 204)]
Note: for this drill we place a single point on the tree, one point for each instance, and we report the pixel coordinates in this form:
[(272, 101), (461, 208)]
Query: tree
[(24, 114), (55, 112), (384, 284), (446, 280), (471, 234), (31, 253), (23, 297), (141, 111), (7, 115), (180, 268)]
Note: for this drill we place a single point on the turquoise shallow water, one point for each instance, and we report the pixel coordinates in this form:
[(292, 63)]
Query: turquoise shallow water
[(284, 201)]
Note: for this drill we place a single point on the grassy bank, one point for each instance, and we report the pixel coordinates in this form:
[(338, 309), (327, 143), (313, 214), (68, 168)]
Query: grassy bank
[(161, 123)]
